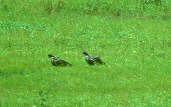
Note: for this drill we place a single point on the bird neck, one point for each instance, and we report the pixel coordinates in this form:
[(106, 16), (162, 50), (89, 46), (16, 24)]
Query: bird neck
[(52, 58), (87, 57)]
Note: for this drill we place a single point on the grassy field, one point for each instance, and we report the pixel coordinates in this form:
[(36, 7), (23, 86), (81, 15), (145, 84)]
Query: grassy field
[(133, 39)]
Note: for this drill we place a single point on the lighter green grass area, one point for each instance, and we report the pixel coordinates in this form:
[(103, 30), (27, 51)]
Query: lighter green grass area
[(136, 51)]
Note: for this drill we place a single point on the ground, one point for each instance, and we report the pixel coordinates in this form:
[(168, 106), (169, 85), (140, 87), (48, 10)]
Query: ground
[(136, 51)]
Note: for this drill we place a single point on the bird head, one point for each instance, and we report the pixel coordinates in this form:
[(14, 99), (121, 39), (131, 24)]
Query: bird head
[(50, 55), (85, 53)]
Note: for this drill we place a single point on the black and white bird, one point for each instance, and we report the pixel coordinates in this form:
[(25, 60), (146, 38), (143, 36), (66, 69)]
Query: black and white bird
[(92, 60), (58, 62)]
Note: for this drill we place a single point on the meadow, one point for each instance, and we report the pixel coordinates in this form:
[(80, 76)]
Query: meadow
[(132, 37)]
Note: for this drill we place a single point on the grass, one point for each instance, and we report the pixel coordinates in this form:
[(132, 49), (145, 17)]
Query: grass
[(135, 48)]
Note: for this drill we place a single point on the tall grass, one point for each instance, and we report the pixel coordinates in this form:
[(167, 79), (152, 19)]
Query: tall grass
[(153, 8)]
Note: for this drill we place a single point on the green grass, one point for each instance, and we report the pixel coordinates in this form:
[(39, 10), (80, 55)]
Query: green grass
[(136, 48)]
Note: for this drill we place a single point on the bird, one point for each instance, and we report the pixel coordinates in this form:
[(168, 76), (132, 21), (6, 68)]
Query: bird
[(57, 61), (92, 60)]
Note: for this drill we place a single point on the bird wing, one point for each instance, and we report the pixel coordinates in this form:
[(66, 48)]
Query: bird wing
[(98, 60), (63, 62)]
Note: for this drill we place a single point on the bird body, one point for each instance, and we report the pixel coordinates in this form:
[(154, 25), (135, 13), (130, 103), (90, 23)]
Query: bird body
[(89, 60), (58, 62), (92, 60)]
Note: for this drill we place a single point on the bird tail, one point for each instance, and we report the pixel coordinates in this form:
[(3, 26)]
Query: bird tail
[(98, 60), (70, 64), (103, 63), (67, 63)]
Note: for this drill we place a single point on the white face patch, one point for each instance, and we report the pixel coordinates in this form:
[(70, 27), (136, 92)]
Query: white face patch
[(86, 57), (53, 59)]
